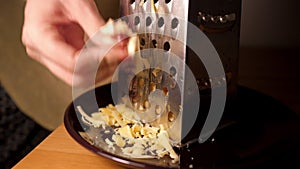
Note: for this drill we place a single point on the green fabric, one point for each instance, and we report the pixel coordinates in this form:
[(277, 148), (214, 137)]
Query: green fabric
[(34, 89)]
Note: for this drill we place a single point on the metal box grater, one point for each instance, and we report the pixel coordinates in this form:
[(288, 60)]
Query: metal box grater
[(157, 23), (220, 21)]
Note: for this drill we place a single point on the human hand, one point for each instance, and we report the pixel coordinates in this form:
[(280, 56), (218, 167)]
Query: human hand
[(54, 31)]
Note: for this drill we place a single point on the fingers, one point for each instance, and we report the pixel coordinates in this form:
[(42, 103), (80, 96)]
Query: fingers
[(66, 65), (117, 54), (86, 14), (72, 78), (73, 34), (59, 71), (54, 36), (54, 47)]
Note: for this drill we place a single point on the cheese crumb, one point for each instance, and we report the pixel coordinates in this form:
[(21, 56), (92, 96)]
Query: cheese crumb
[(136, 140)]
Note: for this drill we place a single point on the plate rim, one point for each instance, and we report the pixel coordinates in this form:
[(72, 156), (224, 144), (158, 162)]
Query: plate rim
[(101, 152)]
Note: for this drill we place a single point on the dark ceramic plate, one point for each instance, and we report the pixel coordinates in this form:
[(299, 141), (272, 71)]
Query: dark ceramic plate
[(256, 132)]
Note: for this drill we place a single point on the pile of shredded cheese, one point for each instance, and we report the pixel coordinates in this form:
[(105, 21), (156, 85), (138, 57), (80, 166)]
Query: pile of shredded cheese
[(135, 139)]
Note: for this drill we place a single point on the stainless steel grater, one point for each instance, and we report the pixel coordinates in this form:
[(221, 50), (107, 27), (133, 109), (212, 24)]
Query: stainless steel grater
[(156, 89)]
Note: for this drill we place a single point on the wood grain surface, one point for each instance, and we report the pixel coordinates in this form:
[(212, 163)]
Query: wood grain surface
[(59, 151)]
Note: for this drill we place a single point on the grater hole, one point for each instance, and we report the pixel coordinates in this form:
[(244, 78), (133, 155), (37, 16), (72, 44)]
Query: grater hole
[(154, 43), (161, 22), (167, 46), (155, 1), (125, 19), (171, 116), (148, 21), (167, 1), (143, 42), (136, 20), (174, 23), (173, 71), (165, 91)]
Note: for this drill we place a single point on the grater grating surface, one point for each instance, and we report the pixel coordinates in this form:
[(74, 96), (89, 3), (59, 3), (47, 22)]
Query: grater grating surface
[(156, 87)]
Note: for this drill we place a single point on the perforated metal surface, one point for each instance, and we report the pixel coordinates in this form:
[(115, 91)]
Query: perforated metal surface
[(162, 27)]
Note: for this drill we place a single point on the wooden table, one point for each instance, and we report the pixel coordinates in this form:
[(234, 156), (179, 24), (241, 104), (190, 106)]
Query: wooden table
[(59, 150), (272, 72)]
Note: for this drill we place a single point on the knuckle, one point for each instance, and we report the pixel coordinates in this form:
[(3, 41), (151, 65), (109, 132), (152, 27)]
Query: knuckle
[(24, 39), (29, 52)]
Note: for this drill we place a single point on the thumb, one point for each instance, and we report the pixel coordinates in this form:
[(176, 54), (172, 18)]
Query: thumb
[(86, 14)]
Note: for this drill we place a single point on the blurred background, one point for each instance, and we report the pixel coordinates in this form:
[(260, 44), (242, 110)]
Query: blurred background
[(269, 63), (270, 23), (269, 49)]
